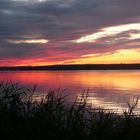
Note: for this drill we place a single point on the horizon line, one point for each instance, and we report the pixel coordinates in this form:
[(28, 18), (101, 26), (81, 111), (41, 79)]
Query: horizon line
[(70, 65)]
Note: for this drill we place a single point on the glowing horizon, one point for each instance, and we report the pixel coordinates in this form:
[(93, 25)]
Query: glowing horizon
[(122, 56)]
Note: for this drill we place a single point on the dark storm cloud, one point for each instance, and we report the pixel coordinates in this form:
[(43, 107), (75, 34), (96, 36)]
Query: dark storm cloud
[(20, 50), (60, 21)]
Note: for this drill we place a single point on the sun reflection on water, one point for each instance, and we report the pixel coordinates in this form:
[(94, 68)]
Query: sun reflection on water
[(106, 89)]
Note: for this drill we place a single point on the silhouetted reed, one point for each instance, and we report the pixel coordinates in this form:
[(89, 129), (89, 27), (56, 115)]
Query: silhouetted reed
[(22, 117)]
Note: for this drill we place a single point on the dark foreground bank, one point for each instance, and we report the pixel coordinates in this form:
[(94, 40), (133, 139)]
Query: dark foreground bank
[(51, 118), (77, 67)]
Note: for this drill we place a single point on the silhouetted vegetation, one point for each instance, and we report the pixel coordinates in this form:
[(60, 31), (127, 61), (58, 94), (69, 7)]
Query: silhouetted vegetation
[(22, 117)]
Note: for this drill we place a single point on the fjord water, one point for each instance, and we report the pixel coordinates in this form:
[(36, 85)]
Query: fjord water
[(106, 89)]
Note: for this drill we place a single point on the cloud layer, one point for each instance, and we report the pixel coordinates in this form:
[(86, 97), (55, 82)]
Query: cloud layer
[(44, 32)]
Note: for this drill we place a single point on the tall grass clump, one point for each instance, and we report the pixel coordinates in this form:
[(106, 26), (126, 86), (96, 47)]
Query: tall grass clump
[(51, 117)]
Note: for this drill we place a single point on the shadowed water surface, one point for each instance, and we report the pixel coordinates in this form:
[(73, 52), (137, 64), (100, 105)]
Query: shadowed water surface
[(106, 89)]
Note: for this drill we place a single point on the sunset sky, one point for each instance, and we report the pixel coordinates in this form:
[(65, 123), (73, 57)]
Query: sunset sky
[(48, 32)]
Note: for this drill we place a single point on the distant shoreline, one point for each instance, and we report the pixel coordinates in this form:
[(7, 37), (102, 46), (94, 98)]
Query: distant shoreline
[(75, 67)]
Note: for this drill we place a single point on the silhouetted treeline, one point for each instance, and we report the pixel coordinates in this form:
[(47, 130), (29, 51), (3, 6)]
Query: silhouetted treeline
[(77, 67)]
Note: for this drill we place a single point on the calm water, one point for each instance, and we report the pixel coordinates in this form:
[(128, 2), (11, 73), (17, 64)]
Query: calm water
[(107, 89)]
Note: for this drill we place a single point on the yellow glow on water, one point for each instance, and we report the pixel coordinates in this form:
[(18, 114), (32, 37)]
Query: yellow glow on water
[(107, 89), (108, 79)]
